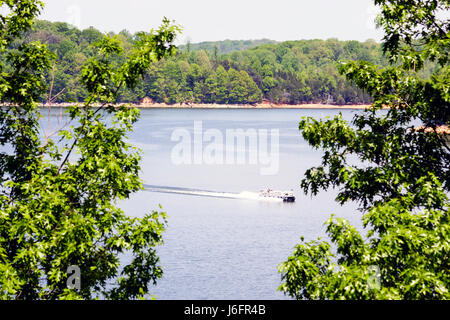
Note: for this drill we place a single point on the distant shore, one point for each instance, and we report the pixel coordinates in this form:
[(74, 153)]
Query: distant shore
[(251, 106), (227, 106)]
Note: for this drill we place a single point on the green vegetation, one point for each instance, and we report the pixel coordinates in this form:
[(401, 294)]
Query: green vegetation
[(225, 46), (225, 72), (402, 181), (58, 209)]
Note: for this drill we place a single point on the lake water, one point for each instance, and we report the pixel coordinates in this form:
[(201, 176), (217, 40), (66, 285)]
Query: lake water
[(222, 248)]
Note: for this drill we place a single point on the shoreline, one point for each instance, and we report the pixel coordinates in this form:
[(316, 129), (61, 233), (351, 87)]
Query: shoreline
[(250, 106), (221, 106)]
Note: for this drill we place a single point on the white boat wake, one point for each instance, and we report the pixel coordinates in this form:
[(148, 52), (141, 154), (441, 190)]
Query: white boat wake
[(246, 195)]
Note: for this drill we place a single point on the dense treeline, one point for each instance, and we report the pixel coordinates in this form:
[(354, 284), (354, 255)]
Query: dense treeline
[(228, 72), (225, 46)]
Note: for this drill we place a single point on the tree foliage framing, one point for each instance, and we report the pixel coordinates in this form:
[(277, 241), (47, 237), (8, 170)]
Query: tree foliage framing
[(403, 180)]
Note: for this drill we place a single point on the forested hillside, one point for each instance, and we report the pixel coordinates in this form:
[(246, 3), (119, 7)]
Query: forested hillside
[(228, 72), (224, 46)]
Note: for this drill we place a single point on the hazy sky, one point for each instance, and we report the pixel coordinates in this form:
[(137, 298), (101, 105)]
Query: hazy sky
[(208, 20)]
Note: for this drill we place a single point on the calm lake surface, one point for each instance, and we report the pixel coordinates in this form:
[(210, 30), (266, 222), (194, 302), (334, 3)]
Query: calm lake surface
[(217, 247), (220, 248)]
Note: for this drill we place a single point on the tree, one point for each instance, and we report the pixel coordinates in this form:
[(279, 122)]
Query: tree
[(211, 89), (403, 178), (221, 93), (203, 60), (268, 83), (57, 210), (275, 68)]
